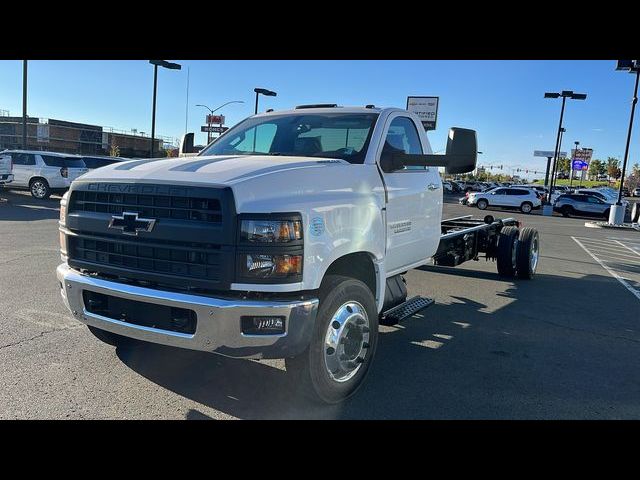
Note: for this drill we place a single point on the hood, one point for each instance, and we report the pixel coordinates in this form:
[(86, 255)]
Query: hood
[(209, 170)]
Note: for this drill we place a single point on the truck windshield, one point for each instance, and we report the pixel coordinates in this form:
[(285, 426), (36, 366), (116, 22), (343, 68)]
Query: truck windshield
[(330, 135)]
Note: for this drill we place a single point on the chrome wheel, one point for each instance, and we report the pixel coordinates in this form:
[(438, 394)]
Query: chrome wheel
[(534, 254), (346, 341), (526, 208), (38, 189)]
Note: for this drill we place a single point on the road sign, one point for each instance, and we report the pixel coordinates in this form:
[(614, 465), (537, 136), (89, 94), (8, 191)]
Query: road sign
[(426, 108), (213, 129), (219, 119), (547, 153)]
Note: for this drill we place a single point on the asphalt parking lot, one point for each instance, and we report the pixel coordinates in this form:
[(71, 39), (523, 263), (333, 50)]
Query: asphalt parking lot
[(565, 345)]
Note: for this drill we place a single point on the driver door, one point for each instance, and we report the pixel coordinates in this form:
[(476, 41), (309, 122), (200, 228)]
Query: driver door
[(414, 200)]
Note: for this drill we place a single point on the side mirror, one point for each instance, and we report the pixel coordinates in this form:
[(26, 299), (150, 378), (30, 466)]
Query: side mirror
[(186, 144), (461, 156)]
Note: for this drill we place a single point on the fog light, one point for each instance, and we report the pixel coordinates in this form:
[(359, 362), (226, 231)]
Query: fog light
[(262, 325)]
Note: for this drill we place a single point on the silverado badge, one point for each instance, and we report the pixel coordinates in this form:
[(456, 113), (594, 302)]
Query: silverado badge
[(131, 224)]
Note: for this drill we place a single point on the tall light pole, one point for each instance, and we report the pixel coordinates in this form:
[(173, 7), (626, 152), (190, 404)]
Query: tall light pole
[(211, 113), (564, 94), (571, 167), (265, 92), (616, 215), (156, 64), (24, 104)]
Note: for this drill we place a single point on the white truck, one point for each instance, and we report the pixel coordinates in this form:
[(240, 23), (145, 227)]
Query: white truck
[(286, 237)]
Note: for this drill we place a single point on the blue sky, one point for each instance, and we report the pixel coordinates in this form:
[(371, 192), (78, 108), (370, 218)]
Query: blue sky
[(502, 100)]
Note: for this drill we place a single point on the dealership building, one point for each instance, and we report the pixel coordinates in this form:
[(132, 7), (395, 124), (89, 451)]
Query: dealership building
[(79, 138)]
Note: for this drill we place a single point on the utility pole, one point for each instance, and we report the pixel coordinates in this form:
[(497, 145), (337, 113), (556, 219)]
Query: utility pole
[(24, 104)]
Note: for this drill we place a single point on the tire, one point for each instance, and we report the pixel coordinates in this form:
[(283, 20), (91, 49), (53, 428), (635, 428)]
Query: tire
[(635, 213), (606, 214), (567, 210), (526, 207), (482, 204), (39, 188), (310, 369), (527, 253), (112, 338), (506, 251)]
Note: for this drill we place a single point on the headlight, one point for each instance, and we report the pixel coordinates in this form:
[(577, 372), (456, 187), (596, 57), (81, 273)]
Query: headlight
[(270, 231), (270, 248)]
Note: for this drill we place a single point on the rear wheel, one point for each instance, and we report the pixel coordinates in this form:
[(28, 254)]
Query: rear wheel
[(528, 252), (566, 211), (39, 188), (112, 338), (506, 251), (526, 207), (344, 342), (482, 204)]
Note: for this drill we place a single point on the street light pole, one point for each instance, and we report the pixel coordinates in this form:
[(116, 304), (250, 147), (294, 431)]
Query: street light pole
[(634, 101), (156, 64), (24, 104), (263, 91), (153, 114), (571, 167)]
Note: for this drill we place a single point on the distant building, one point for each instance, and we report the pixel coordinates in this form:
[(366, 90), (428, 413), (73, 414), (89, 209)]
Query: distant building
[(70, 137)]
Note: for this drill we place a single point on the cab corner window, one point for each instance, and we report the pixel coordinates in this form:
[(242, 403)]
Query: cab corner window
[(402, 137)]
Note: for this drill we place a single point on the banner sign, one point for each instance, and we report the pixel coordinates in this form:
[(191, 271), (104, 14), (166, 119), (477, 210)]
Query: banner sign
[(579, 165), (426, 108)]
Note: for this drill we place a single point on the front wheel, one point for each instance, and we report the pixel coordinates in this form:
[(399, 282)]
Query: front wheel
[(343, 345), (482, 204)]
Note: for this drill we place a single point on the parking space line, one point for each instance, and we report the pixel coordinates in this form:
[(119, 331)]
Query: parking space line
[(611, 272), (628, 248)]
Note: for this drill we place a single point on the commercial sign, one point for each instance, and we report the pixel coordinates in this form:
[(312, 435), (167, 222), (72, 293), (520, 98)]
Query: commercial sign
[(43, 133), (547, 153), (426, 108), (213, 129), (583, 156), (219, 119), (579, 165)]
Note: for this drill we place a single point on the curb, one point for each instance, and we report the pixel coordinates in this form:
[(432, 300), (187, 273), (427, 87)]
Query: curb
[(625, 226)]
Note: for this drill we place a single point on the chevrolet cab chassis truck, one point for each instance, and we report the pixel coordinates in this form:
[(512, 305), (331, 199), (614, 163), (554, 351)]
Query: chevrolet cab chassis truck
[(286, 237)]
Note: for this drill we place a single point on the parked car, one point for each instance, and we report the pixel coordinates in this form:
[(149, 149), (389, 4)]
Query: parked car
[(581, 204), (446, 187), (457, 188), (606, 194), (521, 198), (96, 161), (6, 168), (44, 173)]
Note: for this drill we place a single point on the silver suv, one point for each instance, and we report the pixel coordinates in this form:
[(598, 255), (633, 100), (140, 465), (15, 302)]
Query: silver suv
[(581, 204), (44, 172)]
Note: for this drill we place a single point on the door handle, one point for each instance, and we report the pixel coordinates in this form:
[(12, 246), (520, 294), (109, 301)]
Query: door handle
[(433, 186)]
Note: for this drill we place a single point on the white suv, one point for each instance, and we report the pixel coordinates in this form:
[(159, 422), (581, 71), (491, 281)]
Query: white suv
[(506, 197), (44, 172), (5, 168)]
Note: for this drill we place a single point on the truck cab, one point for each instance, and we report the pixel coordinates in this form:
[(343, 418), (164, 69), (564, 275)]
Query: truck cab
[(286, 237)]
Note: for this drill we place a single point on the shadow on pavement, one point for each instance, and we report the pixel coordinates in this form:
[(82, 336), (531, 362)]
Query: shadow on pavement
[(534, 357), (21, 206)]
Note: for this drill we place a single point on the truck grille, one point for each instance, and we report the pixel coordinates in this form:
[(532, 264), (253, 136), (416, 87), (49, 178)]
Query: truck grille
[(148, 205), (191, 243)]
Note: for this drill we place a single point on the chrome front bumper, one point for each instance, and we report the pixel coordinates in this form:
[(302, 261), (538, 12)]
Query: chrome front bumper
[(218, 321)]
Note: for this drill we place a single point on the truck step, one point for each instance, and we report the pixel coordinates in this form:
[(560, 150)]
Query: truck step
[(404, 310)]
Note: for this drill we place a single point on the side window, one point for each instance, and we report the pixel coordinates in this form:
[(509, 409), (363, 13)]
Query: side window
[(500, 191), (402, 137), (23, 159)]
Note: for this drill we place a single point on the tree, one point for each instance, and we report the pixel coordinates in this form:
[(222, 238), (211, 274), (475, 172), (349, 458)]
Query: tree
[(114, 151), (564, 165), (613, 166), (594, 168)]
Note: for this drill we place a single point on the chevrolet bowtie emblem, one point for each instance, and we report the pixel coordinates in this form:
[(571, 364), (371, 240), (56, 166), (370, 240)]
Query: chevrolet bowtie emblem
[(131, 224)]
